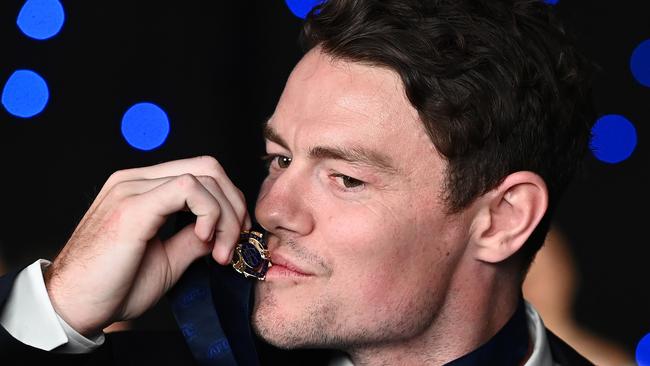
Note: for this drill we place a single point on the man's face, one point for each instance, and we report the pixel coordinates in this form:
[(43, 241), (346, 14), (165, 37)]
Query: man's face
[(363, 250)]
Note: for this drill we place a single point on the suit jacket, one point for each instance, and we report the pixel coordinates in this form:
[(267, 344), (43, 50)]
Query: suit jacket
[(169, 348)]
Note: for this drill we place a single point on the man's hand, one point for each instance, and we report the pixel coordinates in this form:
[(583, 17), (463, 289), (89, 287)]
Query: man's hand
[(114, 267)]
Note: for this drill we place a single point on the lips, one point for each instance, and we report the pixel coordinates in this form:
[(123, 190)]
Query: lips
[(284, 266)]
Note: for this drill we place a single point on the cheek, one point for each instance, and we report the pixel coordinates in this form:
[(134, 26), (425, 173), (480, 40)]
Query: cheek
[(377, 260), (386, 263)]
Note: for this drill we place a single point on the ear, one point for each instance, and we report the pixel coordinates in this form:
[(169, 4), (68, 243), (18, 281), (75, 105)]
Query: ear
[(507, 216)]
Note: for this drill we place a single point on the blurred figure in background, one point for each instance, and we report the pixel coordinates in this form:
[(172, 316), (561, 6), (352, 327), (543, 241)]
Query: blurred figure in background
[(551, 286)]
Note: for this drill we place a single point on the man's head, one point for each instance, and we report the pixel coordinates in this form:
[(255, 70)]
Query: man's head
[(416, 148)]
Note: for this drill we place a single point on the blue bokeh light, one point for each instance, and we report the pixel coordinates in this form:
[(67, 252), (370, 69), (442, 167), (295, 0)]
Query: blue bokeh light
[(551, 2), (643, 351), (41, 19), (25, 94), (640, 63), (145, 126), (301, 8), (613, 138)]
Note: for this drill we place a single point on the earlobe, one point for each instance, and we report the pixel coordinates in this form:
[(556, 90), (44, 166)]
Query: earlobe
[(507, 216)]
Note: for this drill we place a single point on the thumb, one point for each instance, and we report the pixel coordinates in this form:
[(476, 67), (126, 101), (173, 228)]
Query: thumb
[(184, 248)]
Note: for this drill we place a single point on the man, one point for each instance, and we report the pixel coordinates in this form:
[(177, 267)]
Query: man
[(415, 157)]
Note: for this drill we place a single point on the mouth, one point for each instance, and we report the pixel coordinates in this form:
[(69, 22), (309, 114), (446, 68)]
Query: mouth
[(284, 267)]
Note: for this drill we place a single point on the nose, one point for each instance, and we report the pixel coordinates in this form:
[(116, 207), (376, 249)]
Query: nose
[(283, 203)]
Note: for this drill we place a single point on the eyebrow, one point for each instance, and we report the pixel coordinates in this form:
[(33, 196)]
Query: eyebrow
[(272, 135), (353, 154)]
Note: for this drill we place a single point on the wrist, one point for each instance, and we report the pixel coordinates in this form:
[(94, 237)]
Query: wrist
[(75, 317)]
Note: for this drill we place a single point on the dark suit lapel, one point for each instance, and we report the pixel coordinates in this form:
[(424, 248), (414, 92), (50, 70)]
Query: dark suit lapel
[(563, 354)]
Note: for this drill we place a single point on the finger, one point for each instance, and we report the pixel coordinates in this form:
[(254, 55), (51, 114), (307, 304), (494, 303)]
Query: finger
[(197, 166), (213, 213), (233, 195), (134, 187), (225, 233), (222, 244), (194, 166), (247, 222), (182, 249)]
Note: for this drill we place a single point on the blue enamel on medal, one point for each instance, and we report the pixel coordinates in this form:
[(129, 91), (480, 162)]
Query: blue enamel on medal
[(251, 257)]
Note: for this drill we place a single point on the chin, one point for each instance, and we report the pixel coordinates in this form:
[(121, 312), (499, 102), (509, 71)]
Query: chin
[(274, 328), (290, 324), (268, 321)]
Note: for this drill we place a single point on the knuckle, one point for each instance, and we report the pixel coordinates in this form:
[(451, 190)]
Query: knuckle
[(186, 181), (211, 165), (117, 176), (119, 191), (113, 220), (113, 179), (118, 213), (125, 204)]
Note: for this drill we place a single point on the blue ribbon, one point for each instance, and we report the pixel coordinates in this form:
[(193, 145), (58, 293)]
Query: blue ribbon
[(196, 315)]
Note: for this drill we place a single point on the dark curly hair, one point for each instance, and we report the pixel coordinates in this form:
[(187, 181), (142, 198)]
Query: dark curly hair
[(498, 84)]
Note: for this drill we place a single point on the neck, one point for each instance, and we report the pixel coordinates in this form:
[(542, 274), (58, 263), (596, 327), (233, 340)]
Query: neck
[(478, 304)]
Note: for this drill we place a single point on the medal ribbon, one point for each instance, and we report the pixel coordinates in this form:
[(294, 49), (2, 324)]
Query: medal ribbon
[(197, 318)]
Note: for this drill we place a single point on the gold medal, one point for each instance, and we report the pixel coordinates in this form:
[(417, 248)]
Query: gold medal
[(251, 257)]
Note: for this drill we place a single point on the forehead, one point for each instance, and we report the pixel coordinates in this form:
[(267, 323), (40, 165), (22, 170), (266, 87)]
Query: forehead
[(332, 100)]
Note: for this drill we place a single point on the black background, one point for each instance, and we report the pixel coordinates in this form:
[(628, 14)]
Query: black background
[(217, 69)]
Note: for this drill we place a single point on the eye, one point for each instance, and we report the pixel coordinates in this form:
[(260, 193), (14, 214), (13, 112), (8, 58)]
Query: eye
[(348, 181), (282, 161)]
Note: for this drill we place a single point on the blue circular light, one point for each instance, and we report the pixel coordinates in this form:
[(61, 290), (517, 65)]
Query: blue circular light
[(613, 138), (301, 8), (25, 94), (643, 351), (551, 2), (41, 19), (640, 63), (145, 126)]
